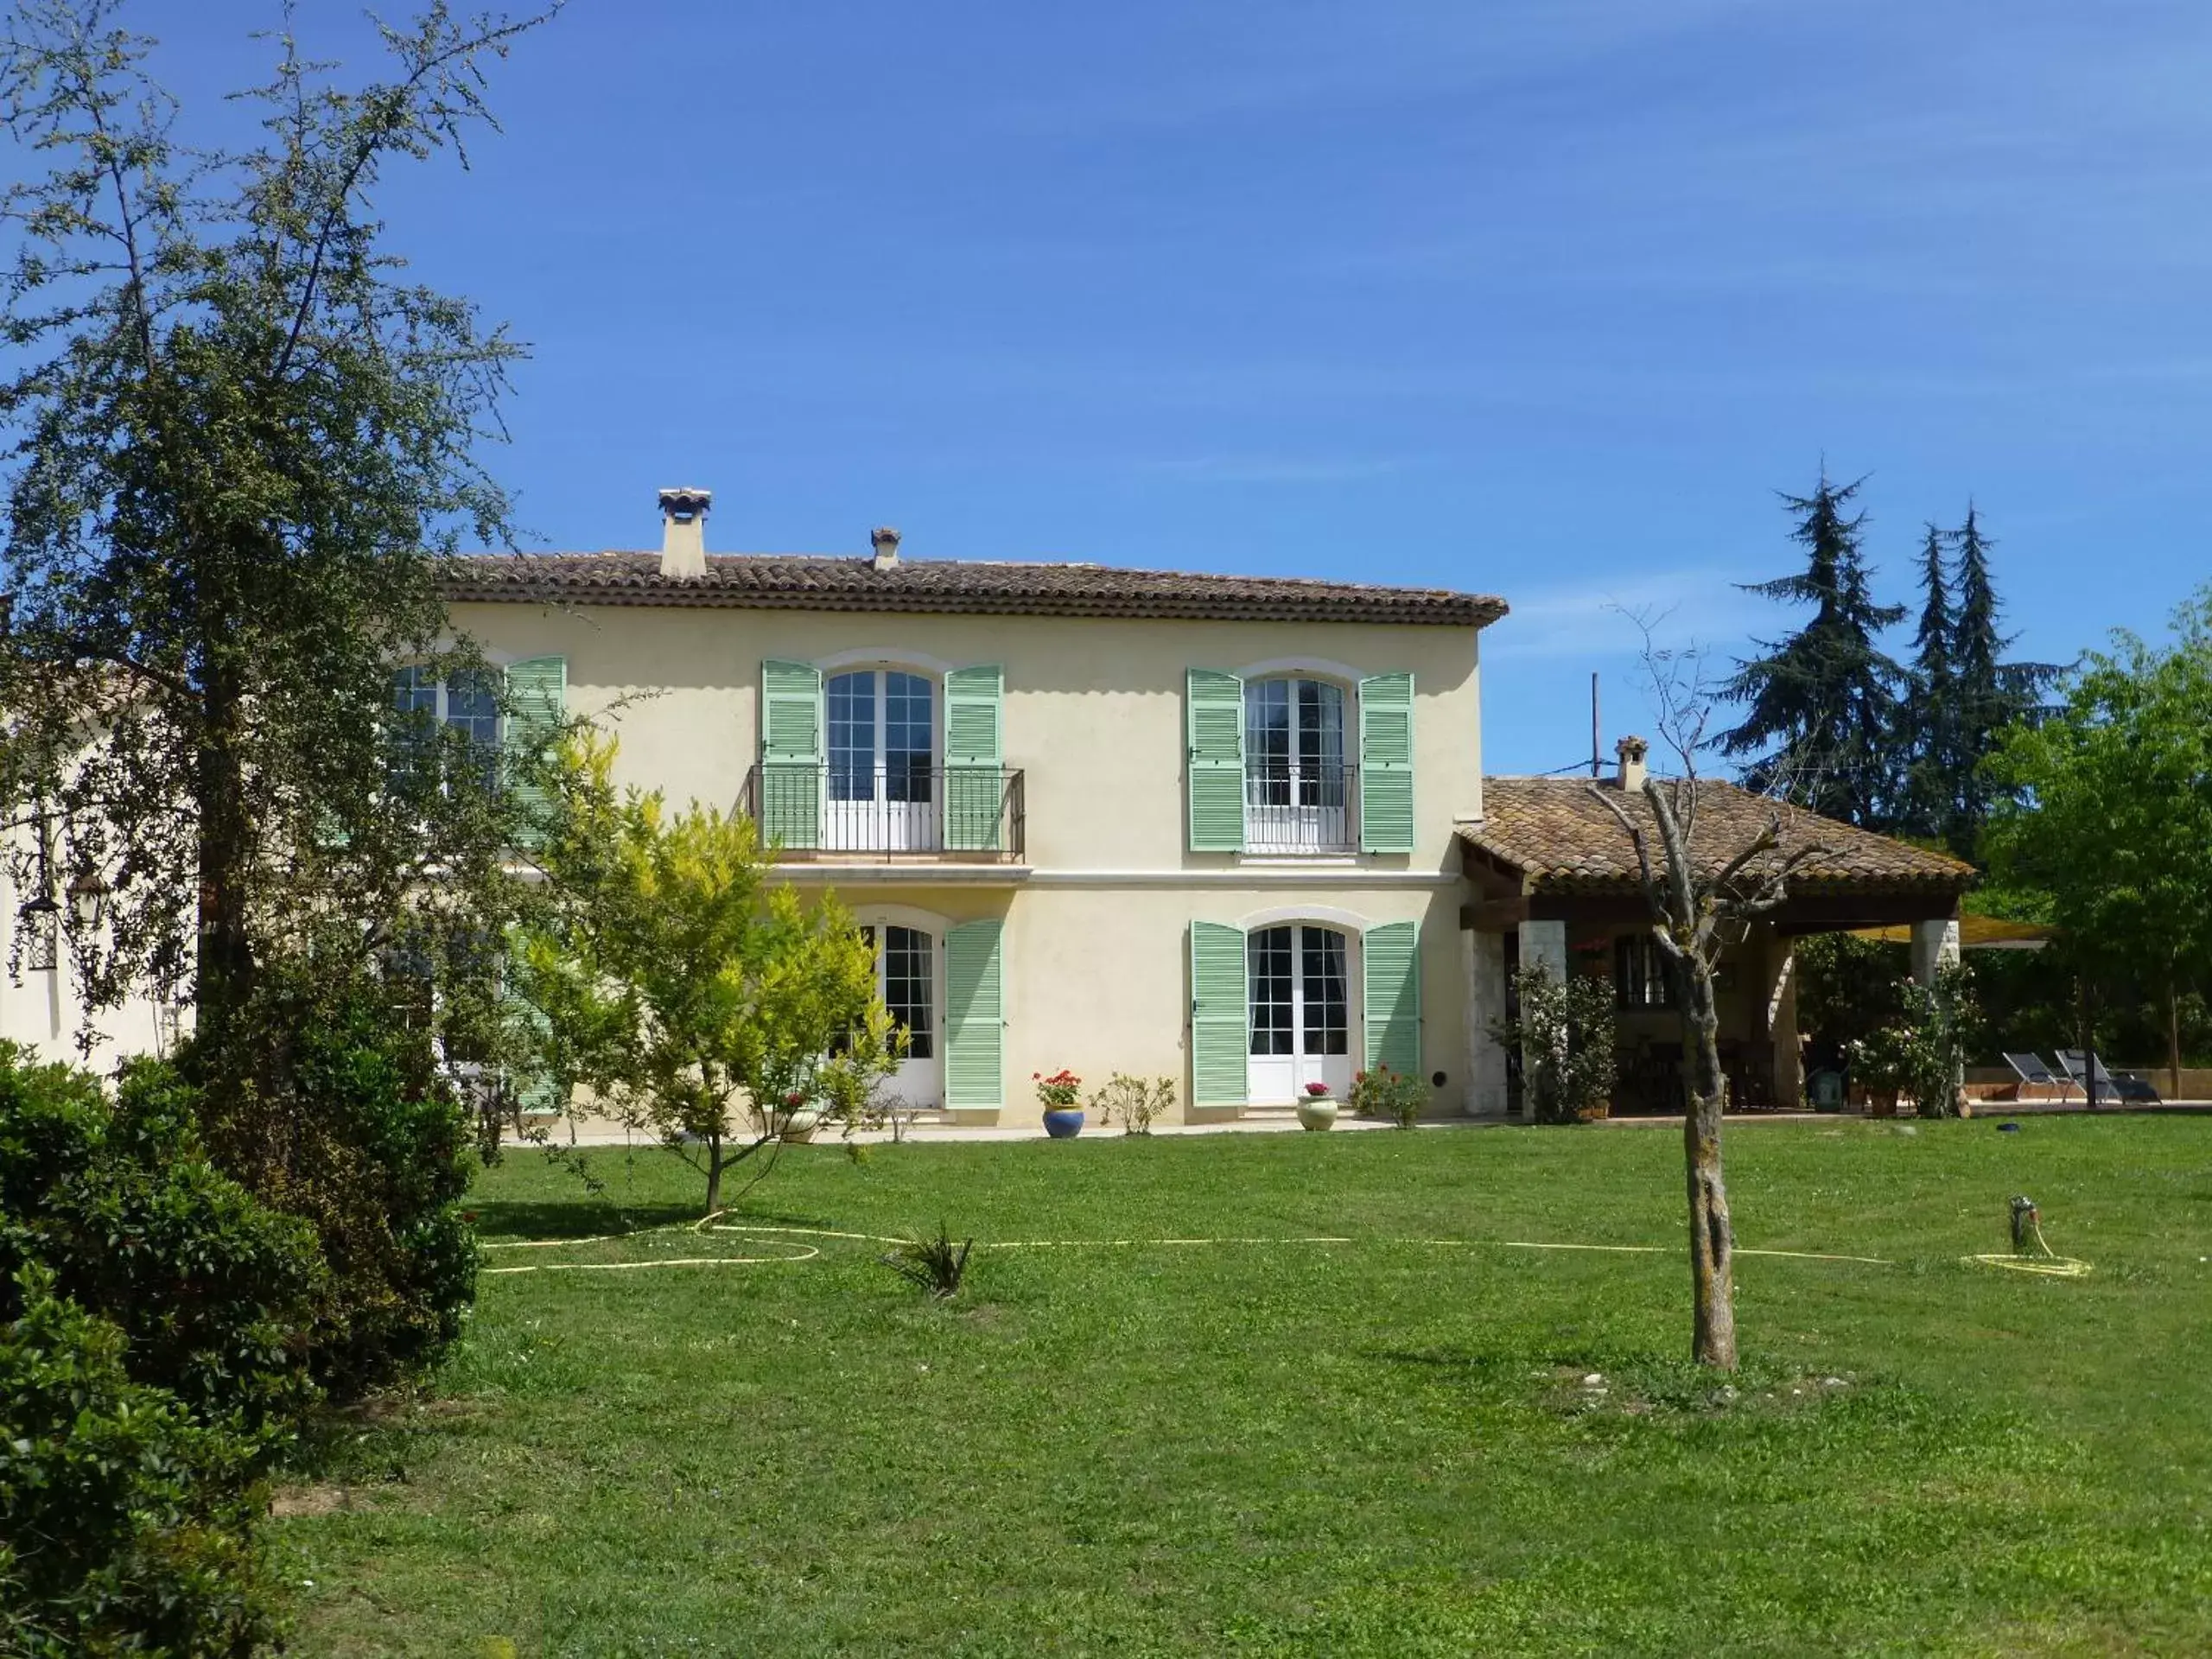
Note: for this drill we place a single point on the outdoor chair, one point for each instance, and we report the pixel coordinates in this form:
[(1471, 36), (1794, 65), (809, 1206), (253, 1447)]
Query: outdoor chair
[(2034, 1074), (2103, 1084)]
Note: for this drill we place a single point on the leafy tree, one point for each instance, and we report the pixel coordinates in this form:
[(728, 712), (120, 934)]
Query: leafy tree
[(1822, 704), (690, 994), (2110, 812), (242, 444)]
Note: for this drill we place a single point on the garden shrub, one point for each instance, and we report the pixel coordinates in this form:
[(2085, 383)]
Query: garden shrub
[(1380, 1092), (1568, 1031), (344, 1121), (215, 1293), (125, 1525)]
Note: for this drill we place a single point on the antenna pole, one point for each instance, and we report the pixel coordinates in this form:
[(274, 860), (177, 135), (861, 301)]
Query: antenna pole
[(1597, 764)]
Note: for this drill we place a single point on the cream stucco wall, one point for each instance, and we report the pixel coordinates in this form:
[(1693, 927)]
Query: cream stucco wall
[(43, 1011), (1097, 920), (1094, 711)]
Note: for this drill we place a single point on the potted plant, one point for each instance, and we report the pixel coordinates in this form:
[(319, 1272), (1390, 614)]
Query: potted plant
[(1061, 1094), (799, 1119), (1317, 1110), (1877, 1064)]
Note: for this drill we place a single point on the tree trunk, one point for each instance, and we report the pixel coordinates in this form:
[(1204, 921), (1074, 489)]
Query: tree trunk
[(1712, 1268), (225, 947), (2173, 1034), (713, 1173)]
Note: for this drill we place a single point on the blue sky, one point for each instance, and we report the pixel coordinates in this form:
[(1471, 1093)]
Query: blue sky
[(1544, 299)]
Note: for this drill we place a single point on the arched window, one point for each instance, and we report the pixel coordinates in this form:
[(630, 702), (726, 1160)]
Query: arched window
[(1296, 787), (1300, 1010), (882, 759)]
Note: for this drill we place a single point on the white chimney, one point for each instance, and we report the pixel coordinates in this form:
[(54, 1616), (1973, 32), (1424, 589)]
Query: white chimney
[(885, 541), (684, 532), (1631, 751)]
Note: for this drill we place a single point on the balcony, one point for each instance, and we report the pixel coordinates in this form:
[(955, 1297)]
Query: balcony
[(913, 809), (1295, 807)]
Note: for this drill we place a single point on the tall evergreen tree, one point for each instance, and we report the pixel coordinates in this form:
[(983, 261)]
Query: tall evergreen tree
[(1822, 703), (1928, 807), (1991, 694)]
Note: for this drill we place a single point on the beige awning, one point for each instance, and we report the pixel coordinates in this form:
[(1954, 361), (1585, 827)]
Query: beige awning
[(1975, 933)]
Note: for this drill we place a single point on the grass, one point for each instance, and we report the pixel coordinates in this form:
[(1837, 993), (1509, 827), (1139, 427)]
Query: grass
[(1385, 1446)]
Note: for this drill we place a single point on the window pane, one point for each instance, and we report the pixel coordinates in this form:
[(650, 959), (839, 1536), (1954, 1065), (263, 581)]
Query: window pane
[(852, 737), (1321, 972), (1268, 952), (472, 706), (1267, 742), (1320, 743), (908, 736), (906, 957)]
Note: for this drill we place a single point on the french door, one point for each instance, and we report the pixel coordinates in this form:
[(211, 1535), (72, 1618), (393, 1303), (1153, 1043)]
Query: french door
[(882, 768), (1300, 1004), (907, 980), (1296, 795)]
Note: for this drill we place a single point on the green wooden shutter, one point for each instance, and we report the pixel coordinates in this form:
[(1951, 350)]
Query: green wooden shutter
[(537, 696), (974, 789), (1390, 961), (1215, 711), (1386, 764), (1220, 1033), (791, 760), (974, 1015)]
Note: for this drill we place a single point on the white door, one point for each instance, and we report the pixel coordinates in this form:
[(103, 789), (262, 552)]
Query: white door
[(1297, 797), (1300, 1005), (907, 978), (883, 774)]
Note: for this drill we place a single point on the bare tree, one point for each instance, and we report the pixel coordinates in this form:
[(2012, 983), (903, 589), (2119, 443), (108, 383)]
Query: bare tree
[(1703, 900)]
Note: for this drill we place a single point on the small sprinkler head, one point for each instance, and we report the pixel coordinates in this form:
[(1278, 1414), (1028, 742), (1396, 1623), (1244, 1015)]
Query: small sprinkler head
[(2027, 1219)]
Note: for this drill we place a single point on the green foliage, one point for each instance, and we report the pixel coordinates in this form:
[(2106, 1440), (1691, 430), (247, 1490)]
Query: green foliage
[(688, 993), (1569, 1032), (349, 1126), (243, 444), (1138, 1102), (125, 1525), (1822, 704), (2111, 812), (1920, 1052), (1380, 1092), (1846, 991), (935, 1266), (119, 1206)]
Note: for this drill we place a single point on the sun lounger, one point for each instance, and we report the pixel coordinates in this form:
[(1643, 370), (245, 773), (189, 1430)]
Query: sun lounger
[(2102, 1084), (2034, 1074)]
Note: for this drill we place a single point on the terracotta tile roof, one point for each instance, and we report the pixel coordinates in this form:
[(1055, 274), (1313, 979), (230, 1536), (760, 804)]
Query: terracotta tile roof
[(1558, 838), (798, 581)]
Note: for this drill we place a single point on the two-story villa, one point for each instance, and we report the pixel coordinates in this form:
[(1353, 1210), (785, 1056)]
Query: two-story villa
[(1101, 819)]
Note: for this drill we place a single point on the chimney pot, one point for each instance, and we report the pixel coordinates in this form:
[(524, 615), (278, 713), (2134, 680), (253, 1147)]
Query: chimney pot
[(885, 542), (1631, 751), (684, 532)]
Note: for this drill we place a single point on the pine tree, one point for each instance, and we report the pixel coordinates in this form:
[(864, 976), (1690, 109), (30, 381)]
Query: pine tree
[(1823, 702), (1929, 806), (1989, 693)]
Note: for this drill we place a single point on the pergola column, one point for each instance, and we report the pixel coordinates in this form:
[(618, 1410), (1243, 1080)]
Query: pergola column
[(1483, 958), (1935, 944)]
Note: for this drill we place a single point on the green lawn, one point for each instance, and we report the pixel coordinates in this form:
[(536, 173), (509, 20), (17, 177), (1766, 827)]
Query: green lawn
[(1384, 1446)]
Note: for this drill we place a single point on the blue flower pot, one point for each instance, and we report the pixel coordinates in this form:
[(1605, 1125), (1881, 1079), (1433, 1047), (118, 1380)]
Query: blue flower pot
[(1064, 1125)]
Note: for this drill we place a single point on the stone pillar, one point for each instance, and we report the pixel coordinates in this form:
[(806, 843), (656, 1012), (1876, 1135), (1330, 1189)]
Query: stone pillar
[(1483, 955), (1935, 944), (1542, 944), (1782, 1022)]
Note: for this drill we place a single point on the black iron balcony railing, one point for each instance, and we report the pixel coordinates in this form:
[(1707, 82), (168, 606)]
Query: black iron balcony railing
[(918, 810), (1301, 806)]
